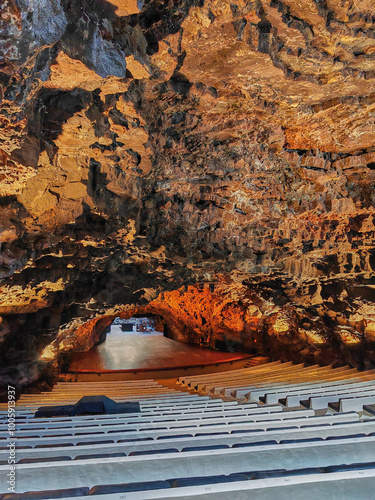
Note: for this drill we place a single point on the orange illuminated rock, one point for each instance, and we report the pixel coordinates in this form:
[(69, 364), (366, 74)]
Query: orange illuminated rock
[(212, 164), (18, 300), (136, 68), (68, 74), (125, 7)]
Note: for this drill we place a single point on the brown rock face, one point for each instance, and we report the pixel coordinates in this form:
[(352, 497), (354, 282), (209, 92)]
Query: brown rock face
[(151, 145)]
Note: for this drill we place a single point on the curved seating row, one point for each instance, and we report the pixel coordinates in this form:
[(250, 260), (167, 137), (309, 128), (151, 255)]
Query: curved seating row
[(264, 430)]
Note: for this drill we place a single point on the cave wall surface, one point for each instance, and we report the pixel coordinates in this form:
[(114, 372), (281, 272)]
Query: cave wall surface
[(149, 146)]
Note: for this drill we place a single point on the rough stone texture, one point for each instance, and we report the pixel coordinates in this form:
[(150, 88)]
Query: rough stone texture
[(148, 147)]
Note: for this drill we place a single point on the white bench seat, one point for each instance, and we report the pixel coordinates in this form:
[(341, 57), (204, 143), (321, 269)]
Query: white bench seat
[(321, 400), (53, 475), (281, 380), (151, 416), (273, 395), (293, 385), (188, 427), (74, 396), (355, 403), (186, 379), (165, 421), (286, 369), (275, 375), (112, 383), (230, 439), (339, 485)]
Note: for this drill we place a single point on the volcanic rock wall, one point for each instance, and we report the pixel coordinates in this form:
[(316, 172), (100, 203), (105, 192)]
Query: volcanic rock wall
[(151, 145)]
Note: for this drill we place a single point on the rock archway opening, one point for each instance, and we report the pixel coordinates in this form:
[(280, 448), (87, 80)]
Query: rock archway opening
[(223, 316), (137, 344)]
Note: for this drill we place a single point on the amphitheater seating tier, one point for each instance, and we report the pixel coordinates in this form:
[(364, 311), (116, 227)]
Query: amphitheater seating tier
[(276, 429)]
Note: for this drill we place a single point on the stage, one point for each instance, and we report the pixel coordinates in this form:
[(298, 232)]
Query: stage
[(145, 352)]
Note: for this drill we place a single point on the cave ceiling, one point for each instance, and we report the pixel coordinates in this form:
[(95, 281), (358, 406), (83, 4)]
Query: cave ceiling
[(154, 150)]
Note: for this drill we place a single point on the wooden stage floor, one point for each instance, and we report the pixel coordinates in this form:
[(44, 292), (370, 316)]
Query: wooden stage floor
[(129, 351)]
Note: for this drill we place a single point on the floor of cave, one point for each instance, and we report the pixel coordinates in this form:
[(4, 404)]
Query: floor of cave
[(144, 350)]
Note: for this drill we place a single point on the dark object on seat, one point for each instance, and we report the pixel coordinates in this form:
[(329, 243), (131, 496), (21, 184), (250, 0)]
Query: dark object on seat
[(122, 488), (41, 495), (198, 481), (153, 452), (54, 411), (89, 405)]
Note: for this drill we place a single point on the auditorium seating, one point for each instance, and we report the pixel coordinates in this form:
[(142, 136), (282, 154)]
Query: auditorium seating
[(270, 430)]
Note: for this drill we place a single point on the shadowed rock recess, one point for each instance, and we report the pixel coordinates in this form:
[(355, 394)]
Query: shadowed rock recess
[(211, 162)]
